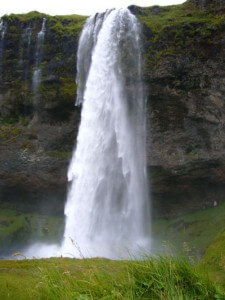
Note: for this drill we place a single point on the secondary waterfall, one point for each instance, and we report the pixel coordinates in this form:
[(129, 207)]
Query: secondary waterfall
[(3, 28), (36, 80), (24, 50), (107, 209)]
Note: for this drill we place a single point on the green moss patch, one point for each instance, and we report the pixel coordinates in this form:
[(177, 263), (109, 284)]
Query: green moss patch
[(197, 230), (9, 132), (183, 29), (18, 229), (178, 18), (58, 64), (60, 154)]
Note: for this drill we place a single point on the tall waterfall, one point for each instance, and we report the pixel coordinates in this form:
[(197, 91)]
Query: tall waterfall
[(107, 210), (3, 28), (36, 80)]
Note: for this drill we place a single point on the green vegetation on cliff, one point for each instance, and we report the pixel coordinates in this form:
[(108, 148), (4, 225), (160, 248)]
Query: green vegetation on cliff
[(180, 17), (57, 89), (176, 29), (62, 25), (167, 32)]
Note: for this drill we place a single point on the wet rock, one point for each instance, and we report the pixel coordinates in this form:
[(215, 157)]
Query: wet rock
[(184, 79)]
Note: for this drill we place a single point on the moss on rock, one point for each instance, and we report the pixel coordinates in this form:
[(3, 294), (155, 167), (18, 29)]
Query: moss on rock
[(58, 64)]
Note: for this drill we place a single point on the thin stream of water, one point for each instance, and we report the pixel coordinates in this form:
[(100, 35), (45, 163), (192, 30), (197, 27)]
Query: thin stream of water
[(36, 79)]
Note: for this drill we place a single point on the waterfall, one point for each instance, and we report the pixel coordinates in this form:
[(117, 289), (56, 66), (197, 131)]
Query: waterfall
[(3, 29), (27, 40), (36, 79), (25, 46), (107, 209), (87, 41)]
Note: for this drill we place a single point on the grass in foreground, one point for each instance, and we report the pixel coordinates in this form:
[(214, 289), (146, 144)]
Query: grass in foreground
[(163, 277)]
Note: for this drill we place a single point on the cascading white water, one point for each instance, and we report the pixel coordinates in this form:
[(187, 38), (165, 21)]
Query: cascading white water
[(36, 79), (107, 209), (87, 42), (3, 28)]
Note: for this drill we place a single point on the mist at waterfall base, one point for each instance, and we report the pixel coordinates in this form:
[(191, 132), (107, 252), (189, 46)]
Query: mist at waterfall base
[(107, 209)]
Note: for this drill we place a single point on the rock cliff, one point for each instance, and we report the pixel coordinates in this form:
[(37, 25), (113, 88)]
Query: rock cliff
[(184, 75)]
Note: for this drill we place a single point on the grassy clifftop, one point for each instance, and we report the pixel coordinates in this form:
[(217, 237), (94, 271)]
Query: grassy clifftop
[(160, 18), (175, 29), (62, 25)]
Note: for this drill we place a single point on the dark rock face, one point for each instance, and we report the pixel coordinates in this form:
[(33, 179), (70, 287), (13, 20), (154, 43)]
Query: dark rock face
[(186, 124), (205, 4), (135, 9), (185, 81), (36, 141)]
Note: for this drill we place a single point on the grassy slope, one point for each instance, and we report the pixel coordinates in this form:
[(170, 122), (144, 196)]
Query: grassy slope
[(180, 17), (196, 229), (214, 258), (16, 228), (155, 278), (174, 15)]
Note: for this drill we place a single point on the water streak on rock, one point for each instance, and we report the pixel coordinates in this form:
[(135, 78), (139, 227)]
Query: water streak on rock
[(24, 54), (25, 45), (36, 79), (3, 28)]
